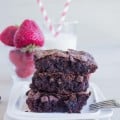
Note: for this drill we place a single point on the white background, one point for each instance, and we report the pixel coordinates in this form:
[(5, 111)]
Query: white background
[(98, 33)]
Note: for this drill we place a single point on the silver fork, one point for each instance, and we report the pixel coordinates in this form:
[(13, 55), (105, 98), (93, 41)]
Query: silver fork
[(105, 105)]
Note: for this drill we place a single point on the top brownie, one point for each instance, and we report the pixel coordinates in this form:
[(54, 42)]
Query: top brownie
[(70, 61)]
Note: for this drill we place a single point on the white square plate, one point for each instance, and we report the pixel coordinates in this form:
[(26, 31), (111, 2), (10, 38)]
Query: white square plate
[(17, 107)]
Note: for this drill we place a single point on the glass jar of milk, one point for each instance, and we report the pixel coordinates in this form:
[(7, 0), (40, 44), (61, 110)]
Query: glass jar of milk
[(67, 39)]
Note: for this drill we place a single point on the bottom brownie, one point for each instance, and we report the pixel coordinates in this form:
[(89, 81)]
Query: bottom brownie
[(44, 102)]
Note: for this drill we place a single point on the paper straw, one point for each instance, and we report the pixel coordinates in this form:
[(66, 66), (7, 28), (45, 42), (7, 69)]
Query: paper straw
[(63, 16), (48, 20), (45, 16)]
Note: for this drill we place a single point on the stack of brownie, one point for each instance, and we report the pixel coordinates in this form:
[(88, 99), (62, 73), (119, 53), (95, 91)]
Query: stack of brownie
[(60, 82)]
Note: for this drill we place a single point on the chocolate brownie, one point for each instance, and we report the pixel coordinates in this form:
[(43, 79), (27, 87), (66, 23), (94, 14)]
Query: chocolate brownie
[(51, 102), (70, 61), (59, 82)]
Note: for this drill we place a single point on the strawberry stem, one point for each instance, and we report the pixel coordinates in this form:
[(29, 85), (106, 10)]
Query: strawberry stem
[(30, 48)]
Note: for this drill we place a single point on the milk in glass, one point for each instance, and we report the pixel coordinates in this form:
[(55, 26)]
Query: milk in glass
[(63, 42)]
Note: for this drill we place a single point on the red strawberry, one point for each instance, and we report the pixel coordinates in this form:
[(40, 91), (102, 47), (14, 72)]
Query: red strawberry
[(21, 59), (27, 60), (23, 62), (15, 57), (28, 34), (7, 35), (24, 73)]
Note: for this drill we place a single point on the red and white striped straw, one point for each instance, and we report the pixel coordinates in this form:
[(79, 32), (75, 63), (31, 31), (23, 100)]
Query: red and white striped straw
[(63, 16), (48, 20), (45, 16)]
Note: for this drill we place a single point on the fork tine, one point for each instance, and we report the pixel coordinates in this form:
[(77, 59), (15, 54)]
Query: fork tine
[(105, 104), (102, 107), (114, 103), (98, 107)]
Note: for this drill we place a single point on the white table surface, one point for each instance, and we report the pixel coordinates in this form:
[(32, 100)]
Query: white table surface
[(98, 32)]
